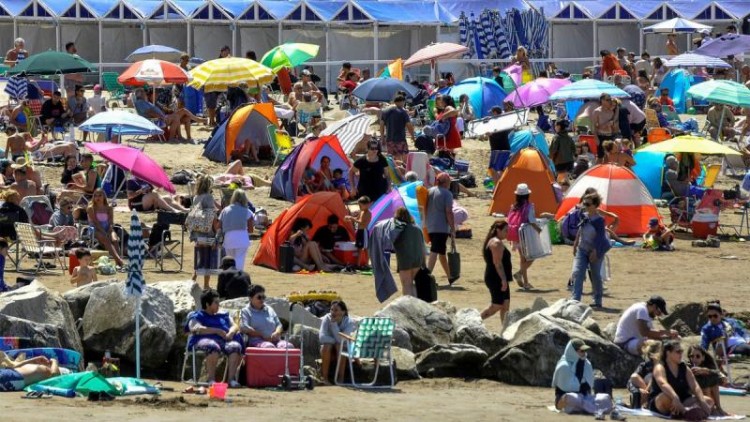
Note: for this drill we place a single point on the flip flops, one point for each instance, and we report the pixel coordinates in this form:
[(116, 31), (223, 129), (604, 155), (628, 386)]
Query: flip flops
[(37, 395)]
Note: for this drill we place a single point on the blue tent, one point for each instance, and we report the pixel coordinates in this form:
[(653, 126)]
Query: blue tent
[(530, 138), (216, 147), (281, 186), (678, 82), (484, 93), (649, 167)]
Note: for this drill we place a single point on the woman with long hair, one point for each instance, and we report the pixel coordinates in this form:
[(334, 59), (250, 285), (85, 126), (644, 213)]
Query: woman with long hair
[(445, 110), (410, 251), (207, 251), (101, 220), (707, 375), (498, 270), (521, 212), (674, 390)]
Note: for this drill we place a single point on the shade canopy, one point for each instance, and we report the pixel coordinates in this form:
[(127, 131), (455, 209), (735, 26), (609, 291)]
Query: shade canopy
[(693, 59), (676, 26), (118, 122), (52, 63), (691, 144), (350, 131), (135, 161), (587, 89), (722, 92), (725, 45), (220, 74), (483, 93), (434, 52)]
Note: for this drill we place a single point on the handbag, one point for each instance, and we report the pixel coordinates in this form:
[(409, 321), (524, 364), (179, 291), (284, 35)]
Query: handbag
[(454, 262), (425, 285), (200, 219)]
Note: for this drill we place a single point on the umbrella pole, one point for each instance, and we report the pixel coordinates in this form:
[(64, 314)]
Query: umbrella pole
[(138, 337), (721, 124)]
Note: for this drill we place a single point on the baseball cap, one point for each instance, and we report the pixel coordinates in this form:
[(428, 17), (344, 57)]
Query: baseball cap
[(659, 302), (579, 345)]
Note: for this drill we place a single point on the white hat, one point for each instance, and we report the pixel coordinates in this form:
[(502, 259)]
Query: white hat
[(705, 31), (522, 189)]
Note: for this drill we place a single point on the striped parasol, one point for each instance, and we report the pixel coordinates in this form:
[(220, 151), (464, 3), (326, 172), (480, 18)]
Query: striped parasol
[(491, 46), (220, 74), (501, 41), (134, 283), (463, 33), (349, 131), (483, 49), (17, 88)]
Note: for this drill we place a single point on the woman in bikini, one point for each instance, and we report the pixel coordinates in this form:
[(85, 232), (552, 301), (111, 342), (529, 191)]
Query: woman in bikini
[(101, 220)]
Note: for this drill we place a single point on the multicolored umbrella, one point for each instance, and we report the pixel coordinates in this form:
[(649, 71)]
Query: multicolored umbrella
[(691, 144), (154, 72), (134, 161), (587, 89), (395, 70), (155, 51), (220, 74), (383, 89), (403, 196), (289, 55), (536, 92), (52, 63)]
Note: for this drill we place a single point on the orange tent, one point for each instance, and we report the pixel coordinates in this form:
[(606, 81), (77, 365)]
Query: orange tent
[(316, 207), (526, 166)]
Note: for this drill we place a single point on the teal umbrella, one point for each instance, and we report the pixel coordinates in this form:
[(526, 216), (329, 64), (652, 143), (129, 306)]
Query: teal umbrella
[(722, 92), (52, 63)]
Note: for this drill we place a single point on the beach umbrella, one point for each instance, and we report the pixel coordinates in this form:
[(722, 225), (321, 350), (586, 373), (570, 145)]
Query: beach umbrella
[(636, 94), (536, 92), (691, 144), (153, 72), (434, 52), (694, 60), (484, 93), (403, 196), (587, 89), (134, 161), (289, 55), (220, 74), (118, 122), (722, 92), (155, 51), (675, 26), (17, 88), (725, 45), (395, 70), (52, 63), (383, 89), (134, 283), (349, 131)]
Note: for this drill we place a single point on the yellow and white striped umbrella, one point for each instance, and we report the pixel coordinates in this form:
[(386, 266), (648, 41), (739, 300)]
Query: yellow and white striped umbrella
[(220, 74)]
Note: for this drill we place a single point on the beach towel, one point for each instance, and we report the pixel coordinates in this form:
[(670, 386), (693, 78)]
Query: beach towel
[(83, 383), (10, 343), (66, 358), (379, 244)]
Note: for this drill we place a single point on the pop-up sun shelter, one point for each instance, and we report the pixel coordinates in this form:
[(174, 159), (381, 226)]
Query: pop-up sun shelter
[(526, 166), (403, 196), (316, 207), (289, 174), (649, 167), (247, 123), (622, 193)]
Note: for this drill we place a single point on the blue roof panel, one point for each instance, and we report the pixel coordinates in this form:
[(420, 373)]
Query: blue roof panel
[(188, 7), (15, 7), (145, 8), (278, 10), (406, 12), (58, 8), (99, 7), (327, 9), (235, 8)]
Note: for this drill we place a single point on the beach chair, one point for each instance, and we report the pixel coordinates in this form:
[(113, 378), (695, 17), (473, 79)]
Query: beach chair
[(192, 353), (281, 143), (652, 120), (167, 247), (590, 140), (658, 134), (712, 172), (113, 86), (373, 341), (39, 250), (722, 356), (670, 114)]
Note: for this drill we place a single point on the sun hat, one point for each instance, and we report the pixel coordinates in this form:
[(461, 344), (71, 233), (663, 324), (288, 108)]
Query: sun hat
[(579, 345), (522, 189)]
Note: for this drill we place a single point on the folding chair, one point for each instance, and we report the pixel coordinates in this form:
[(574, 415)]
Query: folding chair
[(670, 114), (38, 250), (168, 248), (115, 88), (712, 172), (192, 353), (281, 143), (652, 119), (658, 134), (722, 355), (372, 341)]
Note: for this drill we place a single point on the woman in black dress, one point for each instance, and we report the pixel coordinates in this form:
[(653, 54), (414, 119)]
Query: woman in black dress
[(372, 180), (498, 270)]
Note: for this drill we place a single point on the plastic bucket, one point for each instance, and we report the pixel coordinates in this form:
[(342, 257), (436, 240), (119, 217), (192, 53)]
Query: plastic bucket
[(218, 390)]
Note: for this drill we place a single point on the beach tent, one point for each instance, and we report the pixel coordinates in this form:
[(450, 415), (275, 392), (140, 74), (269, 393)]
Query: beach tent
[(403, 196), (316, 207), (526, 166), (289, 174), (247, 123), (622, 193), (678, 82), (530, 138), (649, 167)]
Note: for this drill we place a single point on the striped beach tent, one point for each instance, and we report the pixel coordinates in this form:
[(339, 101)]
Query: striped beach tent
[(622, 193), (349, 131), (17, 88)]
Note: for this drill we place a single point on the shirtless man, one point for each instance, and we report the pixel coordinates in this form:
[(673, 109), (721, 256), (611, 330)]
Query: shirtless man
[(15, 147), (30, 371), (32, 174), (88, 184), (603, 122), (613, 155), (23, 185), (307, 85)]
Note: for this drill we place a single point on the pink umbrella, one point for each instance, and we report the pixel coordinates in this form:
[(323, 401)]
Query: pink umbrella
[(536, 92), (134, 161), (515, 71), (434, 52)]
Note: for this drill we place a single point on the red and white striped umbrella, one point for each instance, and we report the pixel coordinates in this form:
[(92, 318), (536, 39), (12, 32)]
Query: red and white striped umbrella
[(434, 52), (154, 72)]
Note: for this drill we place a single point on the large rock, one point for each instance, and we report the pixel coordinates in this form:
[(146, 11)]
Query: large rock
[(186, 298), (692, 314), (40, 314), (79, 297), (471, 330), (311, 349), (108, 324), (406, 363), (426, 324), (609, 331), (536, 344), (451, 360), (517, 314), (568, 309), (401, 338)]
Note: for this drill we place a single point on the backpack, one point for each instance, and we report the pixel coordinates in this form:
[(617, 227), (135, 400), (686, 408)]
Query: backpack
[(40, 214), (571, 223), (516, 217)]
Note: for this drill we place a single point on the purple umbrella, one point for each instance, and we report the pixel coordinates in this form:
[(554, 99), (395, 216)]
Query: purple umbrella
[(726, 45), (536, 92)]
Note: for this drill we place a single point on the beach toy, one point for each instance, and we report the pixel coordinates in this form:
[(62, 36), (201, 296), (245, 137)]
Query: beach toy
[(218, 391), (691, 110)]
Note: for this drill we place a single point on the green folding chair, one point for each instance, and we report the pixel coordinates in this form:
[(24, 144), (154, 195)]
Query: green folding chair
[(373, 341), (281, 145), (430, 109), (115, 88)]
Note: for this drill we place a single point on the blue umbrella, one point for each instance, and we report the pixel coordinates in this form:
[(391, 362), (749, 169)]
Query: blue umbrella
[(587, 89), (161, 52), (383, 89), (484, 93), (134, 283), (726, 45), (118, 122)]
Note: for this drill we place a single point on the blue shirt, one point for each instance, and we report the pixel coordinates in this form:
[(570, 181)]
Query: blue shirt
[(262, 320), (143, 108), (729, 328)]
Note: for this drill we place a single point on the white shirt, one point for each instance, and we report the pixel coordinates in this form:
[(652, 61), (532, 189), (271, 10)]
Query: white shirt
[(97, 104), (627, 326), (635, 114), (644, 65)]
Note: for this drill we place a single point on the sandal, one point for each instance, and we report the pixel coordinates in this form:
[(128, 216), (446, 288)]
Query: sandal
[(519, 279)]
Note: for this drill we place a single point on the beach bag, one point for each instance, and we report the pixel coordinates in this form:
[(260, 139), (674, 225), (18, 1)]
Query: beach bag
[(426, 285), (200, 219), (438, 127), (571, 223), (535, 245), (454, 262), (105, 266), (516, 217)]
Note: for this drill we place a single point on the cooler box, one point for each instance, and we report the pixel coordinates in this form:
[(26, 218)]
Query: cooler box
[(346, 252), (73, 261), (704, 224), (264, 367)]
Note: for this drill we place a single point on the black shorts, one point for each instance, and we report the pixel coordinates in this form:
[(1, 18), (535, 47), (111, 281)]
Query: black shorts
[(497, 295), (211, 99), (439, 243), (638, 127), (359, 239), (564, 167)]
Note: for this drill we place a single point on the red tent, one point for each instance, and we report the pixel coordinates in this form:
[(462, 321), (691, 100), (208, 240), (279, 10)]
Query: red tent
[(316, 207)]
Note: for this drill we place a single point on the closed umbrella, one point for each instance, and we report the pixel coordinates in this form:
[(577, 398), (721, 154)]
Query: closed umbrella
[(587, 89), (383, 89), (484, 93), (220, 74), (17, 88), (536, 92), (155, 51), (289, 55), (725, 45), (349, 131), (118, 122), (675, 26), (134, 283), (722, 92), (52, 63), (134, 161), (153, 72), (694, 60), (691, 144)]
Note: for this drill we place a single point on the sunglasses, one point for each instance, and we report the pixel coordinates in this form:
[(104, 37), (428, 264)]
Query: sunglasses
[(261, 297), (712, 316), (373, 148), (696, 356)]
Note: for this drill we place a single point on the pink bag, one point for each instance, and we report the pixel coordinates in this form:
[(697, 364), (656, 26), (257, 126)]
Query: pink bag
[(516, 217)]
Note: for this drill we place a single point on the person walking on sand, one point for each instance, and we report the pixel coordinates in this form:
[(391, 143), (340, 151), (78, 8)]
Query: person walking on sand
[(498, 270), (522, 212), (440, 224)]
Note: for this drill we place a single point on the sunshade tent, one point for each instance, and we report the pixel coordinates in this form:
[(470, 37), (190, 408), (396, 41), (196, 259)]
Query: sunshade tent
[(286, 180), (691, 144), (153, 72), (219, 74), (134, 161), (649, 167), (316, 207), (622, 193), (349, 131), (383, 89), (248, 123), (526, 166), (52, 63), (530, 138), (536, 92), (725, 45), (484, 93), (695, 59), (155, 51), (118, 122), (403, 196), (587, 89), (676, 26), (289, 55), (677, 81)]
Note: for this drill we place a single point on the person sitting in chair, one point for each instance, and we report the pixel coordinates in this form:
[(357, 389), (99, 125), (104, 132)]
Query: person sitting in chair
[(54, 113), (720, 115), (215, 333), (88, 180), (726, 330), (260, 322)]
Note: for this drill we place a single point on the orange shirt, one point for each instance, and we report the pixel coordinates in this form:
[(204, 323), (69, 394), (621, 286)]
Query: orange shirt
[(609, 65)]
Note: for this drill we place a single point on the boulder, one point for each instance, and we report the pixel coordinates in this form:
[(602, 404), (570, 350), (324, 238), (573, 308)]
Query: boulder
[(467, 317), (682, 329), (40, 314), (515, 315), (79, 297), (401, 338), (692, 314), (471, 330), (609, 331), (568, 309), (539, 304), (426, 324), (406, 364), (593, 326), (446, 307), (186, 298), (536, 343), (451, 360), (108, 324), (281, 306), (311, 350)]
